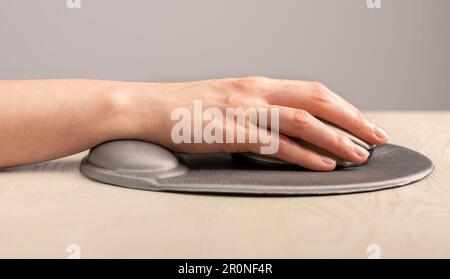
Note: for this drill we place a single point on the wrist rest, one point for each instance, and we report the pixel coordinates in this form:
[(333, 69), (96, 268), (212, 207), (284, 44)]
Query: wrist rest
[(141, 165)]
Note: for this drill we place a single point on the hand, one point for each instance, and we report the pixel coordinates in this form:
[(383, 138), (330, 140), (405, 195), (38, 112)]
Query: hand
[(300, 104)]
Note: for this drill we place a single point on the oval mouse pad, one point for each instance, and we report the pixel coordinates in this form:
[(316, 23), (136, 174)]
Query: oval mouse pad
[(140, 165)]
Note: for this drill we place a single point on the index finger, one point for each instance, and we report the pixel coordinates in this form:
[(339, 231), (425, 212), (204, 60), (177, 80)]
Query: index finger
[(321, 102)]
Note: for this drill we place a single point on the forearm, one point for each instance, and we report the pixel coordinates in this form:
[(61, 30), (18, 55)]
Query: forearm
[(46, 119)]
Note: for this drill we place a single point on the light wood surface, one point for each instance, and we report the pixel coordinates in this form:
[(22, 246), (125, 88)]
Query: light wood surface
[(46, 207)]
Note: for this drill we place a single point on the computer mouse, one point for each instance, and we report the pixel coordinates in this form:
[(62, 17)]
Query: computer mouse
[(269, 161)]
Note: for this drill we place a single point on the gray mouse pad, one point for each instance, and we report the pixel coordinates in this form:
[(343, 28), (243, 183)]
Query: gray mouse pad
[(140, 165)]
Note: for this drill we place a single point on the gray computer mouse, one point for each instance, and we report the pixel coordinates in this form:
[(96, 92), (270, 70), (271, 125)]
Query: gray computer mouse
[(269, 161)]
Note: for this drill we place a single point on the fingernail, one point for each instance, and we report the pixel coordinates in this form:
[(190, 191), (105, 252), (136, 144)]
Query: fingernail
[(328, 161), (381, 134), (360, 151)]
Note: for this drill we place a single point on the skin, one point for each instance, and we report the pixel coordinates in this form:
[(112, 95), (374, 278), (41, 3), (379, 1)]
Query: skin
[(46, 119)]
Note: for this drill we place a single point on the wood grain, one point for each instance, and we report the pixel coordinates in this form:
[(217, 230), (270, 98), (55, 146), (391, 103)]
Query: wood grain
[(46, 207)]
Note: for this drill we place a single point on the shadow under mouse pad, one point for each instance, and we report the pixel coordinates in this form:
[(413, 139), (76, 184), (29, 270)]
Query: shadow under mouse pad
[(141, 165)]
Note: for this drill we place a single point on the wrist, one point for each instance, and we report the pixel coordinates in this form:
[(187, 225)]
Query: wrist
[(120, 102), (138, 110)]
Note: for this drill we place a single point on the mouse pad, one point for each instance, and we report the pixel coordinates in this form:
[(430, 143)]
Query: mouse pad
[(140, 165)]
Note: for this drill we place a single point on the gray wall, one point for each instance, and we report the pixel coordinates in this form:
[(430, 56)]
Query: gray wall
[(395, 57)]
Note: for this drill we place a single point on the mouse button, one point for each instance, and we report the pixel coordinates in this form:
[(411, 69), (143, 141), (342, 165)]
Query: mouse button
[(361, 142)]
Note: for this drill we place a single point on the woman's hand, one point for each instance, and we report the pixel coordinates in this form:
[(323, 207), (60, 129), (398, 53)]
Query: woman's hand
[(300, 104), (46, 119)]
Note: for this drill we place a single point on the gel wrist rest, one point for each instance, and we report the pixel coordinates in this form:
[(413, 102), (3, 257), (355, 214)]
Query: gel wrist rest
[(141, 165)]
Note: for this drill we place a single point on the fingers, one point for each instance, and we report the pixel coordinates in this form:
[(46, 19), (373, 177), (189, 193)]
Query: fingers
[(335, 109), (292, 152), (325, 104), (301, 124), (286, 149)]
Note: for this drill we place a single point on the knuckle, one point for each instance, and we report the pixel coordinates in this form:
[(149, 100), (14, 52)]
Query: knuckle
[(243, 83), (343, 146), (341, 141), (359, 119), (283, 143), (302, 119), (319, 92), (233, 100), (305, 158), (258, 79), (248, 83)]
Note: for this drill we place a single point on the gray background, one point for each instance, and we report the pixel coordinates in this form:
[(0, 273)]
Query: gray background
[(396, 57)]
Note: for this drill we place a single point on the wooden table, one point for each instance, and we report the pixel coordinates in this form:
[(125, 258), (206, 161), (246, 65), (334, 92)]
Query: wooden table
[(46, 207)]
